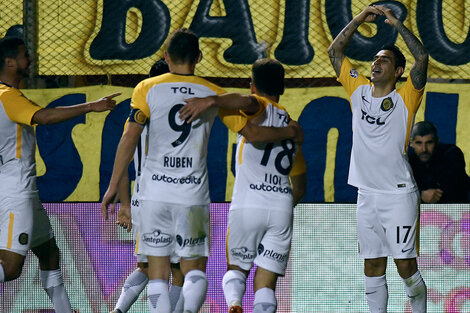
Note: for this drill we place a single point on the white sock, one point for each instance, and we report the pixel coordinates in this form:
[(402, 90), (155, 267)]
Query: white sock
[(265, 301), (417, 292), (376, 293), (2, 274), (53, 283), (175, 293), (194, 290), (131, 290), (234, 285), (158, 297)]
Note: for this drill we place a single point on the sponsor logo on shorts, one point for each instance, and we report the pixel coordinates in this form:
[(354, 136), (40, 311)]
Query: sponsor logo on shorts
[(23, 238), (271, 254), (190, 242), (243, 254), (135, 203), (188, 180), (270, 188), (157, 239)]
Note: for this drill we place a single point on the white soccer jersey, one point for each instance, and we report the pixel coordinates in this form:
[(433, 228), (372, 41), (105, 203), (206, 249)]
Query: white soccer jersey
[(139, 158), (175, 169), (381, 130), (17, 143), (262, 169)]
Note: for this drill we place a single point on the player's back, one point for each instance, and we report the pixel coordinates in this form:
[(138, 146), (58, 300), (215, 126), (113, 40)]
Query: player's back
[(262, 169), (175, 169)]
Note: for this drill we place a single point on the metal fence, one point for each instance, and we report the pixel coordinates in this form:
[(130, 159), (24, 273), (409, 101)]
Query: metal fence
[(90, 42)]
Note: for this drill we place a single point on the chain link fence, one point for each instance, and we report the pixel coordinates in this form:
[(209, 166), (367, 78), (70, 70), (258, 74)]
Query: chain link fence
[(90, 42)]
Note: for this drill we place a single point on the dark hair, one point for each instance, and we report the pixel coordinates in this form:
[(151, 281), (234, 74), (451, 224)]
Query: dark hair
[(424, 128), (158, 68), (9, 49), (268, 77), (400, 60), (183, 46)]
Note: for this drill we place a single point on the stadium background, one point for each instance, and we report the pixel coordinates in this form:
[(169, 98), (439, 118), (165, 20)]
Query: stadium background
[(83, 50)]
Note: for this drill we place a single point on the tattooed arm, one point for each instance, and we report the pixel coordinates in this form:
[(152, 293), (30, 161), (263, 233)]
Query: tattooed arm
[(338, 46), (419, 69)]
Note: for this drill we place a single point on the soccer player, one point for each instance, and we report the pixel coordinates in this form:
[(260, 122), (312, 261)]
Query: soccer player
[(174, 195), (388, 200), (24, 224), (128, 218), (260, 217)]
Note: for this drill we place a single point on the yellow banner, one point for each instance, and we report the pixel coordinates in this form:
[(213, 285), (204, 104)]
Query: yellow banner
[(126, 37), (324, 113)]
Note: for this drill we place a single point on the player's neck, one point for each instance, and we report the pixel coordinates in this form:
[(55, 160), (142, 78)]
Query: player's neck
[(272, 98), (381, 90), (182, 69), (10, 80)]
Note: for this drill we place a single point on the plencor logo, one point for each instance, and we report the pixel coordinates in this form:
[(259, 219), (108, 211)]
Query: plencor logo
[(271, 254), (243, 254), (157, 239), (190, 242)]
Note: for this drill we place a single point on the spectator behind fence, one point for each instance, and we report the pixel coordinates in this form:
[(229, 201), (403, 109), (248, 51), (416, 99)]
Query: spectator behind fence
[(438, 168)]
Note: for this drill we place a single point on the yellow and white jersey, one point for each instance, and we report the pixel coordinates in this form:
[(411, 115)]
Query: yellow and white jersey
[(175, 169), (381, 131), (262, 169), (17, 143)]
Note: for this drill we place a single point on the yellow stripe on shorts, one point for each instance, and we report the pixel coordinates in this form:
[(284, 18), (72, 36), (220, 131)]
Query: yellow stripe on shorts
[(137, 242), (226, 246), (10, 230)]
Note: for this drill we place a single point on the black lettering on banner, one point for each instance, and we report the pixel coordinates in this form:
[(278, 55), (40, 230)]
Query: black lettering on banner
[(288, 151), (236, 25), (434, 38), (110, 43), (184, 128), (295, 49), (338, 15), (408, 228)]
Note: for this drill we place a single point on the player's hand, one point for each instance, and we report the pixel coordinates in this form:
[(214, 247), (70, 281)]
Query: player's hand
[(368, 15), (124, 218), (110, 199), (431, 195), (195, 107), (105, 103), (298, 132), (391, 19)]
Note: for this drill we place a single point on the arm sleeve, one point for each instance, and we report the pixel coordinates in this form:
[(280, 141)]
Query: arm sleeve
[(139, 99), (411, 96), (300, 167), (350, 78), (18, 108)]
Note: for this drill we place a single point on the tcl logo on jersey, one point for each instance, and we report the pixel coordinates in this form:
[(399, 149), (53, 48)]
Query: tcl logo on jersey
[(157, 239), (283, 117), (243, 254), (370, 119), (190, 242), (185, 90)]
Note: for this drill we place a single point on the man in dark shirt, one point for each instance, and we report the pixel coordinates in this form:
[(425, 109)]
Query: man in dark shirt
[(438, 168)]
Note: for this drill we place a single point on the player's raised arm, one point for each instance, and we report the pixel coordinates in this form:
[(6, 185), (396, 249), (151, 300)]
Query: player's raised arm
[(230, 101), (339, 44), (419, 69), (59, 114)]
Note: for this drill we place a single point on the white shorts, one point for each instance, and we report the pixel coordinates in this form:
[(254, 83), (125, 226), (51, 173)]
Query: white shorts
[(23, 224), (260, 236), (173, 230), (388, 225)]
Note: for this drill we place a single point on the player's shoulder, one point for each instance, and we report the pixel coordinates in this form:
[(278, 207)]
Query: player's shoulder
[(265, 102)]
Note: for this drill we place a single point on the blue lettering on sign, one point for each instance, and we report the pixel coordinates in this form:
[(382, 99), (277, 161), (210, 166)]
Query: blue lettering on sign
[(317, 118), (64, 166)]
